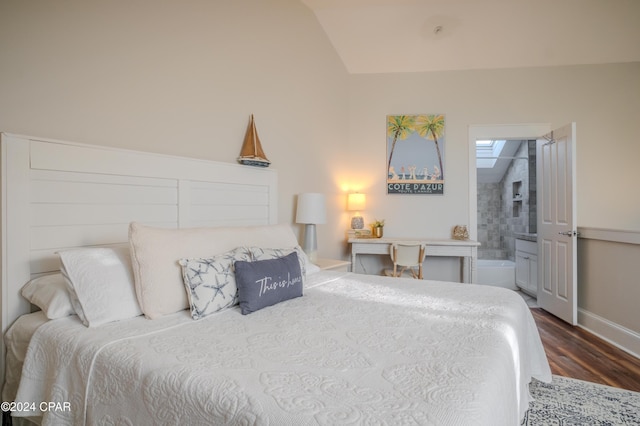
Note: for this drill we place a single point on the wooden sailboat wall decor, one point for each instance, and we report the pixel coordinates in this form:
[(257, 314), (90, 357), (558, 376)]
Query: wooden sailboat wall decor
[(251, 153)]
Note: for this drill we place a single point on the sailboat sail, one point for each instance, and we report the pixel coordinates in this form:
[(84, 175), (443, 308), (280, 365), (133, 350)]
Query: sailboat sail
[(251, 153)]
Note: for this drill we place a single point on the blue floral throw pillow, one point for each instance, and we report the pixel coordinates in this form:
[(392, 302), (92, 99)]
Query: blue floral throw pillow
[(267, 282), (210, 282)]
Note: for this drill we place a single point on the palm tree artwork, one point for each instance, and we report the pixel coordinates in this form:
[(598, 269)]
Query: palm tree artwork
[(432, 127), (415, 147), (398, 127)]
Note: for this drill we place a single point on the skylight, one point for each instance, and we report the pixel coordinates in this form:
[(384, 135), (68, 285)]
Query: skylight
[(487, 152)]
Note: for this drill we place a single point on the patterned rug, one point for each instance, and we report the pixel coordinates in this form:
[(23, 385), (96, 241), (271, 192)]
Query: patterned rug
[(575, 402)]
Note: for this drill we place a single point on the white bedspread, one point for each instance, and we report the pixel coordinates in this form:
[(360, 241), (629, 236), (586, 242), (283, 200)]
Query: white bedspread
[(354, 350)]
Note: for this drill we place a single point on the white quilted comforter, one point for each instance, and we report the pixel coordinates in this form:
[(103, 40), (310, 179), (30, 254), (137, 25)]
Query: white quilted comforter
[(355, 349)]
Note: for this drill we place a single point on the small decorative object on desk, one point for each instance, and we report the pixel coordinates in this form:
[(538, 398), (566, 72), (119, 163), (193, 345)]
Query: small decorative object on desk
[(460, 232), (359, 233), (377, 228)]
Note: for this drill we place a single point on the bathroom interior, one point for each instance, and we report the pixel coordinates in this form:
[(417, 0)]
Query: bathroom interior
[(507, 215)]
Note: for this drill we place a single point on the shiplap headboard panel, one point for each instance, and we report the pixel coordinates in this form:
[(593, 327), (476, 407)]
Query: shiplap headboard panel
[(58, 195)]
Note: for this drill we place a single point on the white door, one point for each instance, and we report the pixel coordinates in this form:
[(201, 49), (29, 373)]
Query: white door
[(557, 235)]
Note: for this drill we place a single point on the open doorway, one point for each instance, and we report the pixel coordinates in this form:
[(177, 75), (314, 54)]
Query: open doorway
[(503, 203), (506, 188), (507, 215), (553, 272)]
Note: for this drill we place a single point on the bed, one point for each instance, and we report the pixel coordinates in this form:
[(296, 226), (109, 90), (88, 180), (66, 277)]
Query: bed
[(342, 349)]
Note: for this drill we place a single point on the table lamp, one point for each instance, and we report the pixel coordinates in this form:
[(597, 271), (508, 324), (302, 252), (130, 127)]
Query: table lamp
[(311, 211), (356, 202)]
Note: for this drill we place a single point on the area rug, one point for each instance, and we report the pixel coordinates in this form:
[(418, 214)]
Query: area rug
[(567, 401)]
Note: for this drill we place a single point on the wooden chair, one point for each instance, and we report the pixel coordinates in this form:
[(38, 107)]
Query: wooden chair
[(406, 256)]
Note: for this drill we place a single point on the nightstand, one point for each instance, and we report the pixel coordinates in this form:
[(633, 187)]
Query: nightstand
[(333, 264)]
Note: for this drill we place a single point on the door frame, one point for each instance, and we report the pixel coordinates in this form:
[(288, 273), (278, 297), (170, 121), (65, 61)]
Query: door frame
[(498, 132)]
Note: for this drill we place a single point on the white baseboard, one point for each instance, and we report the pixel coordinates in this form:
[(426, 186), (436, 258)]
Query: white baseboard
[(617, 335)]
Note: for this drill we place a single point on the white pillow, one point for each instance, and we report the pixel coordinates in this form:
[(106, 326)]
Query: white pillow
[(101, 285), (155, 253), (50, 294)]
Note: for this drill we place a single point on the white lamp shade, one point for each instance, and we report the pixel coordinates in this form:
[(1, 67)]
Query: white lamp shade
[(311, 208), (356, 202)]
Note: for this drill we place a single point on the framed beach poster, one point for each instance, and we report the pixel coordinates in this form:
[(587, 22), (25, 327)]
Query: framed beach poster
[(415, 154)]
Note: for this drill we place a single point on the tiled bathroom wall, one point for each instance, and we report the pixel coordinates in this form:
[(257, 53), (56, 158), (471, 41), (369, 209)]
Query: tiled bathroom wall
[(489, 220)]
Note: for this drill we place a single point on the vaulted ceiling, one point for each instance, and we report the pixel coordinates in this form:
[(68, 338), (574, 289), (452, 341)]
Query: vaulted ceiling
[(381, 36)]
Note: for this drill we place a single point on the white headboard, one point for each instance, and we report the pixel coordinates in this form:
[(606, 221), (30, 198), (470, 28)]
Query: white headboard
[(59, 195)]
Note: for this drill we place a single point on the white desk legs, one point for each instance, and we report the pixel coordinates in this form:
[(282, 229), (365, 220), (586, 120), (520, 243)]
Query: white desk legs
[(470, 267), (474, 266)]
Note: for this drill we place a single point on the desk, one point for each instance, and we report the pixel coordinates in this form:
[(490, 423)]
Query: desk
[(467, 250)]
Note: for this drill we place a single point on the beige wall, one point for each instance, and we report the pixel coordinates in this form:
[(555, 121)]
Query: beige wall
[(182, 77), (610, 272), (603, 100), (608, 295)]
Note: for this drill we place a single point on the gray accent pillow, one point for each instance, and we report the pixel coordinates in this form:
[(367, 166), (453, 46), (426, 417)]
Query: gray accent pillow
[(267, 282)]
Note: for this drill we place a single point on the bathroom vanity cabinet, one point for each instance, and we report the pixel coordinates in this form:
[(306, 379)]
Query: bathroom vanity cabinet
[(527, 266)]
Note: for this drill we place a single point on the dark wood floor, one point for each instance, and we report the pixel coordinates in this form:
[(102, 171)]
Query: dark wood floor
[(576, 353)]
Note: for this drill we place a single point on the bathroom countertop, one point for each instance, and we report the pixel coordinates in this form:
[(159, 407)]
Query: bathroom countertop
[(527, 237)]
